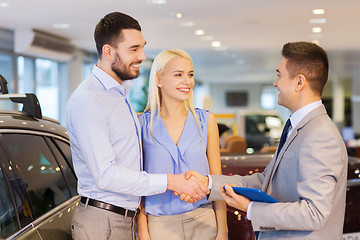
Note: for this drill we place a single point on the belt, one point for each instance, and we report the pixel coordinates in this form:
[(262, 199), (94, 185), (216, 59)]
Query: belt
[(109, 207)]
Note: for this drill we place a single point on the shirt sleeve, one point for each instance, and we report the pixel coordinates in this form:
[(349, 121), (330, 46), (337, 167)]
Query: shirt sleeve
[(248, 212), (89, 125), (210, 181)]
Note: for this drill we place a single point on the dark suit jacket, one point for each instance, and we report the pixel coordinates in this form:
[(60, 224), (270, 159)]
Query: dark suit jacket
[(308, 178)]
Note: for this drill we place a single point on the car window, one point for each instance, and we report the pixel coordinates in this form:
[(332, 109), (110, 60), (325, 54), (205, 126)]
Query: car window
[(8, 224), (41, 174), (66, 150), (262, 123), (251, 126), (64, 159)]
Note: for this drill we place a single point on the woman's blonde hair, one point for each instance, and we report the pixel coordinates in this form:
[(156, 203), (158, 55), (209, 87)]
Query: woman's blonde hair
[(154, 97)]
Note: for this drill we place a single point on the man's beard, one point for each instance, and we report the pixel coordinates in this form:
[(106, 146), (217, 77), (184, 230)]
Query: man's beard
[(121, 70)]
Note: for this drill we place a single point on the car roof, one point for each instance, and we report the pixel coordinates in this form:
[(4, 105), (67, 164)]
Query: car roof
[(11, 119), (30, 118)]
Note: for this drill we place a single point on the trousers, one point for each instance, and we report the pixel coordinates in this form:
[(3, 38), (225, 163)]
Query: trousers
[(92, 223), (197, 224)]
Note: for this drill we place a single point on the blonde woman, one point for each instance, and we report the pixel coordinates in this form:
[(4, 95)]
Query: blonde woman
[(176, 138)]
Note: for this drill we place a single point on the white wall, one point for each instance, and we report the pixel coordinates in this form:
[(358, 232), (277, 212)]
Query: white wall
[(218, 93)]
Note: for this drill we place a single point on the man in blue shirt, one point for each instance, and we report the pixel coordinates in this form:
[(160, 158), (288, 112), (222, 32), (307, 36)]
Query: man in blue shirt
[(105, 138)]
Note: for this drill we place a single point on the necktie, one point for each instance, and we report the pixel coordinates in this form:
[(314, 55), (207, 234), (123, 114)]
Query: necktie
[(284, 135)]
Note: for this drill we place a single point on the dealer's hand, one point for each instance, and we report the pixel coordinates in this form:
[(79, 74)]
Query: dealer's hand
[(235, 200)]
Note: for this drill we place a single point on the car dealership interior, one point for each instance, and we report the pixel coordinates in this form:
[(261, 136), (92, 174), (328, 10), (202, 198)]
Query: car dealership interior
[(47, 48)]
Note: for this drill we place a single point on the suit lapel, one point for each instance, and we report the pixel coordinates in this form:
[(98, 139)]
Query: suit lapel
[(313, 114), (279, 158)]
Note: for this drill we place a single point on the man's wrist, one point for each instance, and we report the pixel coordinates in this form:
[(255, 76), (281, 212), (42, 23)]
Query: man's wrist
[(170, 182)]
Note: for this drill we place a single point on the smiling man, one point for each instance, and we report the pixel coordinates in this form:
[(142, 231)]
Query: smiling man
[(308, 173), (105, 138)]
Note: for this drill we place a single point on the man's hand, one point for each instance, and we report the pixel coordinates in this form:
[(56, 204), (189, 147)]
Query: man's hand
[(188, 175), (201, 178), (231, 198), (194, 189)]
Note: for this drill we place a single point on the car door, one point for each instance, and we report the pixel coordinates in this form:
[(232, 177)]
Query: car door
[(42, 168), (15, 213)]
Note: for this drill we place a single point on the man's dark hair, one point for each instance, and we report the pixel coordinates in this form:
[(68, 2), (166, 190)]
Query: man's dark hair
[(309, 60), (108, 30)]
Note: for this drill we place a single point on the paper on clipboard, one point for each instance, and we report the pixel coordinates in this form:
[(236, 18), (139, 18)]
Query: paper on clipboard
[(254, 194)]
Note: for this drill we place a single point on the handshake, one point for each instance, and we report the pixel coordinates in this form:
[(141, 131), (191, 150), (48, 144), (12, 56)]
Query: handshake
[(190, 187)]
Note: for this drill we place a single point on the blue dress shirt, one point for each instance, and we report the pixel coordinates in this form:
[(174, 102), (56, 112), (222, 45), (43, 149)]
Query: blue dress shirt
[(162, 155), (106, 143)]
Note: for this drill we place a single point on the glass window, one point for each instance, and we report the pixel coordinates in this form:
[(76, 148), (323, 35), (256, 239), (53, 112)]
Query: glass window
[(269, 101), (139, 89), (42, 177), (17, 188), (7, 71), (268, 98), (8, 224), (66, 150), (259, 123), (47, 89), (87, 69), (251, 125), (26, 82), (64, 160)]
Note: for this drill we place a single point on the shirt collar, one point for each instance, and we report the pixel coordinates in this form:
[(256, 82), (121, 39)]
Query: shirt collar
[(302, 112), (110, 83)]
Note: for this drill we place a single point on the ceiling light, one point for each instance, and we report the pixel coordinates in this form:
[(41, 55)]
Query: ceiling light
[(199, 32), (318, 11), (156, 1), (178, 15), (61, 25), (318, 20), (216, 44), (187, 24), (316, 30), (4, 5)]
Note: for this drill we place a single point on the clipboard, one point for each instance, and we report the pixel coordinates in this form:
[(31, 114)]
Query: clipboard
[(254, 194)]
